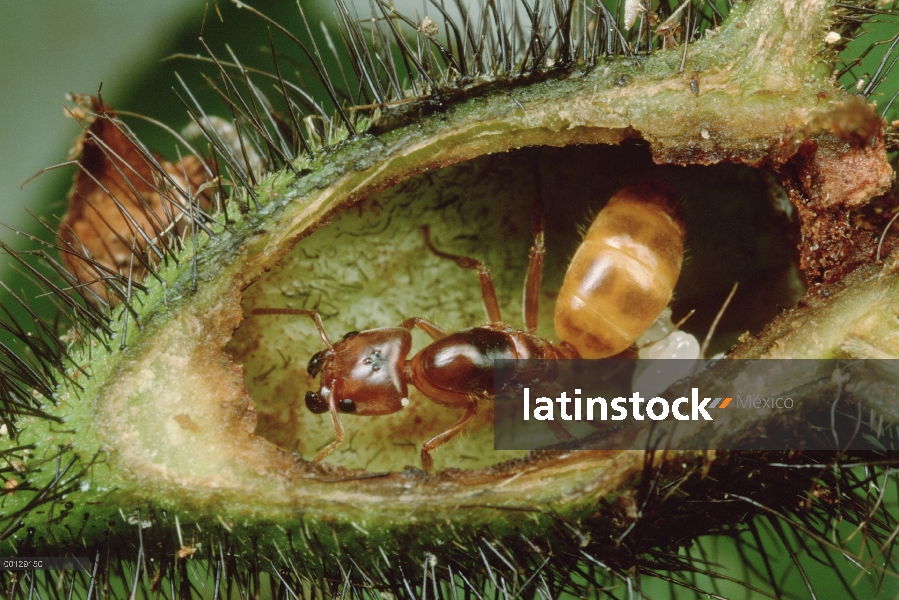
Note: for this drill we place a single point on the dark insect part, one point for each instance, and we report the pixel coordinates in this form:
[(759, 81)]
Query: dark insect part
[(315, 404), (315, 364)]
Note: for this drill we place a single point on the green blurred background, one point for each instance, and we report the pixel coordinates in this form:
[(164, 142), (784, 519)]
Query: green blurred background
[(52, 47)]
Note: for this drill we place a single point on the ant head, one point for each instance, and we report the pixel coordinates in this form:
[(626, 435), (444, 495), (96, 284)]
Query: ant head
[(363, 373), (315, 363)]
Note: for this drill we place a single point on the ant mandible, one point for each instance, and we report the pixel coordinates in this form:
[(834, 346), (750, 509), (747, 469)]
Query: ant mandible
[(618, 283)]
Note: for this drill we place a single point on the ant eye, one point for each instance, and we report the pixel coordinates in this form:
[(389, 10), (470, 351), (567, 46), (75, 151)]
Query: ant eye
[(315, 364), (350, 334), (346, 405), (315, 403)]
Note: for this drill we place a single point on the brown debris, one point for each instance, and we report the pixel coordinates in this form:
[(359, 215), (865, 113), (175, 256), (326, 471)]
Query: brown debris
[(891, 136), (839, 167), (831, 182), (854, 121), (834, 173), (186, 422), (120, 201)]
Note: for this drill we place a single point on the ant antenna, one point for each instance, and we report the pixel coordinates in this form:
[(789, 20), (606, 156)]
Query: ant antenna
[(316, 319), (533, 279), (708, 336), (676, 327)]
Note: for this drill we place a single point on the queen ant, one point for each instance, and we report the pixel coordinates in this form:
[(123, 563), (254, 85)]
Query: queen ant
[(617, 284)]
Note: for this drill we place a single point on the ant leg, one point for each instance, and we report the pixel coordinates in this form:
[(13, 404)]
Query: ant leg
[(316, 319), (534, 276), (335, 422), (560, 431), (432, 330), (488, 291), (441, 438)]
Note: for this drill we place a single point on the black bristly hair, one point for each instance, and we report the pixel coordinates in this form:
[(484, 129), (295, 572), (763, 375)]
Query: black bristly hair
[(396, 72)]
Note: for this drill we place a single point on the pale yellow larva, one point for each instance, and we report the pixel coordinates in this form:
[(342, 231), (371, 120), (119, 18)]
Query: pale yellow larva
[(624, 272)]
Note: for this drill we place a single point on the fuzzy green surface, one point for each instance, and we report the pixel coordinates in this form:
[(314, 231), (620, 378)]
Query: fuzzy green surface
[(169, 417)]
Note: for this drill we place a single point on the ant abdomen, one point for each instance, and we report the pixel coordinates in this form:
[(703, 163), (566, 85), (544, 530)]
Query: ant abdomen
[(624, 272)]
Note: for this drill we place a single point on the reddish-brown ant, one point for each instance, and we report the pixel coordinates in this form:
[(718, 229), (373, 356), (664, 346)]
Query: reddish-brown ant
[(618, 283), (367, 373)]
